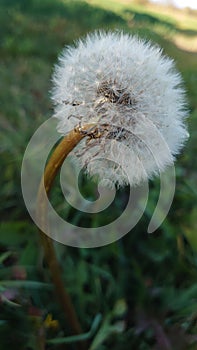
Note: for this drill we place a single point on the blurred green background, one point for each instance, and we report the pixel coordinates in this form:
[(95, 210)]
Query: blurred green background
[(137, 293)]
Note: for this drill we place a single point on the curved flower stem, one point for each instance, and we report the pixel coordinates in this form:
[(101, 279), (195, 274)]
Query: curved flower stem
[(51, 170)]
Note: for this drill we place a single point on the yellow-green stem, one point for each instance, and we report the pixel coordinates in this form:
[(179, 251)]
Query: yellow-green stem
[(51, 170)]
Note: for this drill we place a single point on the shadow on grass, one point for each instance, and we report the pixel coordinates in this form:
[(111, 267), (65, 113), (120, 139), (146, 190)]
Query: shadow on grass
[(139, 18), (36, 27)]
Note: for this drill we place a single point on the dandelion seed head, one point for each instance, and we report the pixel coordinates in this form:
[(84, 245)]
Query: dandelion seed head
[(121, 81)]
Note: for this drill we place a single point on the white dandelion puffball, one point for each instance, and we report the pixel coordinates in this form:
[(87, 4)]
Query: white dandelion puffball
[(134, 96)]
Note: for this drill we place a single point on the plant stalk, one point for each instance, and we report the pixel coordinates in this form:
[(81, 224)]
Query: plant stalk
[(56, 160)]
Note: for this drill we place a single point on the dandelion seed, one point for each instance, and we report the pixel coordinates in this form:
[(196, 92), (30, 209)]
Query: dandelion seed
[(134, 95)]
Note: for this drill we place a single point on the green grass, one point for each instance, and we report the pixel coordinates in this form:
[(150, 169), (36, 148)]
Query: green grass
[(181, 19), (144, 286)]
